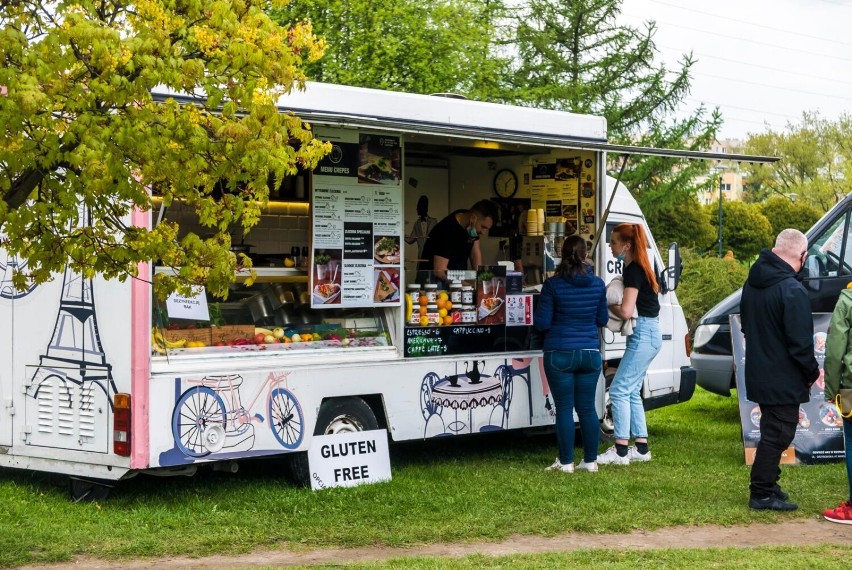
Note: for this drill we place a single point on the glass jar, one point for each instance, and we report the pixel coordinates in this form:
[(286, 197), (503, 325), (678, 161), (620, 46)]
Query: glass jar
[(456, 314), (414, 292), (455, 292), (467, 295), (431, 292), (468, 314), (432, 314)]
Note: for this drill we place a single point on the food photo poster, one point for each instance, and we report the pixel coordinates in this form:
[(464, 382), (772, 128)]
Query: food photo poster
[(819, 434), (357, 221)]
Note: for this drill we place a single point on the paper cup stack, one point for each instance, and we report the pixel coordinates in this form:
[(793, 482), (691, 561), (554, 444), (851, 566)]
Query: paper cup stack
[(535, 222), (532, 222)]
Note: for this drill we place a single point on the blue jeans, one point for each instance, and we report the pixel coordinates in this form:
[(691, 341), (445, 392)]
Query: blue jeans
[(625, 392), (847, 438), (573, 379)]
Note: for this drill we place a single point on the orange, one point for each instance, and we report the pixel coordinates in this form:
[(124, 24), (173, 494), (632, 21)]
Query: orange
[(448, 305), (423, 301), (448, 320), (440, 303), (423, 310)]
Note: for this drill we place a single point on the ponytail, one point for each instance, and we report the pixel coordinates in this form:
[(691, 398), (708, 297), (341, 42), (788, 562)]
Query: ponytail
[(635, 236)]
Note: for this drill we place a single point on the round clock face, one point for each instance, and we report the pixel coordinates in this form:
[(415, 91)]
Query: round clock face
[(505, 183)]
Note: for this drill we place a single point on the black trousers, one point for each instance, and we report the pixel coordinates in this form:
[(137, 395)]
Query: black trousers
[(777, 430)]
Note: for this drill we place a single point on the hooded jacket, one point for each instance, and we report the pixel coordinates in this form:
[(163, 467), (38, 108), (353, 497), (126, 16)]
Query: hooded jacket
[(838, 347), (570, 311), (779, 332)]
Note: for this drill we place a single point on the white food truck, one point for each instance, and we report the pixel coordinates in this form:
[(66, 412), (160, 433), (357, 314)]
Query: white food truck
[(100, 380)]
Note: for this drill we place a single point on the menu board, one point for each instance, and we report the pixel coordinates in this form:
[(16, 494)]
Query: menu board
[(357, 221), (564, 187)]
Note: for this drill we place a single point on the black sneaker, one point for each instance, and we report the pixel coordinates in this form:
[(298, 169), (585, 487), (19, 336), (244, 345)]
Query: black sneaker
[(779, 494), (771, 503)]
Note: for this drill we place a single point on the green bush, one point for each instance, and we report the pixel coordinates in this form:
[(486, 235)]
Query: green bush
[(705, 281)]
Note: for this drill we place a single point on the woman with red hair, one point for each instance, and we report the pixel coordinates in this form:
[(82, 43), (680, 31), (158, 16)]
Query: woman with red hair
[(629, 244)]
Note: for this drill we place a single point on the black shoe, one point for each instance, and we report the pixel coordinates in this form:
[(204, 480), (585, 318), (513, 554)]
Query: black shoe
[(772, 503), (779, 494)]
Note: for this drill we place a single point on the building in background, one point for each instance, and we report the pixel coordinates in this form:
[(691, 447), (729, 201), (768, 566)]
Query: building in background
[(724, 175)]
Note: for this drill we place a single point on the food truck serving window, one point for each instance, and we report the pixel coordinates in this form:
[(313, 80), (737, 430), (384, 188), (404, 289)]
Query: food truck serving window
[(270, 317)]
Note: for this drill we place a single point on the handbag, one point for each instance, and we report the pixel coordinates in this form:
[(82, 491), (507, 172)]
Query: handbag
[(843, 401)]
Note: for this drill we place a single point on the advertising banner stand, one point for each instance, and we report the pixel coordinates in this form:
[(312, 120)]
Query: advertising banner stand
[(819, 435)]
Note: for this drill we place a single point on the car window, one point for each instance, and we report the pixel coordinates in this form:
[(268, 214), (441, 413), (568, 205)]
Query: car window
[(830, 253)]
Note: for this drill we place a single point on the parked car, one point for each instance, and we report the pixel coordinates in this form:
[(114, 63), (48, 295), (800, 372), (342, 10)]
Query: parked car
[(828, 270)]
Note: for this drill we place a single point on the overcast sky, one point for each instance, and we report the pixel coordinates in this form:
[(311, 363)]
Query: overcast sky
[(762, 62)]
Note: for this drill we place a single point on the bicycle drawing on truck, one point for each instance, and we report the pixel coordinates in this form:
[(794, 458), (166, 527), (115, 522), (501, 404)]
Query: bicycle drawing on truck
[(210, 414)]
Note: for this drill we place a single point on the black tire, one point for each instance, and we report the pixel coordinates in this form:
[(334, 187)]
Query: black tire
[(338, 415), (82, 490)]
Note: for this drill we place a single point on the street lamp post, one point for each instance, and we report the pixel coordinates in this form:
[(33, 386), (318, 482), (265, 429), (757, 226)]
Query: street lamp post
[(719, 237)]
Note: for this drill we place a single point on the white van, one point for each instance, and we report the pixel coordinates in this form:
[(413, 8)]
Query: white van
[(101, 381)]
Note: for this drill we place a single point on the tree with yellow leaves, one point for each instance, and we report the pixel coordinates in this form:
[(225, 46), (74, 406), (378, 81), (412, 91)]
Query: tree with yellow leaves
[(81, 132)]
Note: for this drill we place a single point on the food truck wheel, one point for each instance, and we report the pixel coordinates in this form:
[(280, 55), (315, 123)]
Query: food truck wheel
[(345, 415), (337, 415)]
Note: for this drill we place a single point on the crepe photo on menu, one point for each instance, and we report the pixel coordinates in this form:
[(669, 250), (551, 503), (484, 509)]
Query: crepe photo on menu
[(386, 285), (379, 159), (386, 249)]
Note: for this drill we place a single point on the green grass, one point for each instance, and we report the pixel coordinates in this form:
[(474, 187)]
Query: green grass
[(464, 489), (788, 558)]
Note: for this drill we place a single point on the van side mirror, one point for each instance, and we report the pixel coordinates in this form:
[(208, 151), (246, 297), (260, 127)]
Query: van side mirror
[(670, 277)]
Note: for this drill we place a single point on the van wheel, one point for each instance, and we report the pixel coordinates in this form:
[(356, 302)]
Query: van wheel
[(338, 415)]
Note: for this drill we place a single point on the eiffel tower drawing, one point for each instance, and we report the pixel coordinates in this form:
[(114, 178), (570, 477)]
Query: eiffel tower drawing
[(75, 354), (7, 270)]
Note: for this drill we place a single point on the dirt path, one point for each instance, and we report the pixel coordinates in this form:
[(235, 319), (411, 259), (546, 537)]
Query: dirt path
[(794, 533)]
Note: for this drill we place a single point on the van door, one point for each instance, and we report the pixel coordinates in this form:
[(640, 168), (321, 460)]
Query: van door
[(828, 267)]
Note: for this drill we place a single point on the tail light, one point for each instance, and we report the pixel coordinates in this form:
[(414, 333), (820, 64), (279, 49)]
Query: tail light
[(121, 425), (687, 344)]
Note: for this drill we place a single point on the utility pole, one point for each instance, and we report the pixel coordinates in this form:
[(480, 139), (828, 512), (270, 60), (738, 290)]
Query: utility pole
[(719, 238)]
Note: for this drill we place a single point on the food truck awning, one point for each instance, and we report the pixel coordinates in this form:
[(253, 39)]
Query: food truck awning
[(482, 125)]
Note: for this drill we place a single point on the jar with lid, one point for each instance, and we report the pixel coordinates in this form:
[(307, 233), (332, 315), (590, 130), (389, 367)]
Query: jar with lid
[(431, 292), (413, 291), (468, 314), (467, 295), (455, 292), (456, 314), (432, 314)]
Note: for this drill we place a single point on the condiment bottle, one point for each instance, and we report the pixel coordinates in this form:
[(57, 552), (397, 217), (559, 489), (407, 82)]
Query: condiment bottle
[(455, 292), (467, 295), (414, 293), (431, 292), (432, 314), (468, 315)]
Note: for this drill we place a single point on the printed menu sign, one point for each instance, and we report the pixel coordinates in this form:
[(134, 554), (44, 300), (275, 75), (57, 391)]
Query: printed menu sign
[(819, 435), (564, 187), (357, 221)]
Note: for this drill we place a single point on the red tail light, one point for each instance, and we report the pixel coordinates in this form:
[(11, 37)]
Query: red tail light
[(121, 425), (687, 343)]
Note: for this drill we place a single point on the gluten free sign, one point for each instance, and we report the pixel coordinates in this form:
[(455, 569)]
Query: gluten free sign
[(349, 459)]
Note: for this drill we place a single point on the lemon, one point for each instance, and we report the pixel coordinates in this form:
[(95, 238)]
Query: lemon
[(296, 338), (442, 313), (443, 296), (288, 262), (424, 321)]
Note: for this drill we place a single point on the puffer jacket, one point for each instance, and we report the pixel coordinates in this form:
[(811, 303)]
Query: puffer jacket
[(571, 310), (838, 347), (779, 332)]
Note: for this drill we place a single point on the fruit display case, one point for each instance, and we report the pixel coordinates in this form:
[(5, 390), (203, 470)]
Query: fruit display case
[(268, 317)]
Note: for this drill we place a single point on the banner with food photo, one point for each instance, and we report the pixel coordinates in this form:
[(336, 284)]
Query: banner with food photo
[(819, 435), (491, 295), (356, 220)]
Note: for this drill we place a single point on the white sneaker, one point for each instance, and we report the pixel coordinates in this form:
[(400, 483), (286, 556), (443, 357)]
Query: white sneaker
[(610, 456), (634, 455), (569, 468), (590, 467)]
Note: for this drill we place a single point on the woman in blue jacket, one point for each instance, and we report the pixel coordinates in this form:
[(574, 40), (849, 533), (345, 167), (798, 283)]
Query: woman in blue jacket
[(571, 309)]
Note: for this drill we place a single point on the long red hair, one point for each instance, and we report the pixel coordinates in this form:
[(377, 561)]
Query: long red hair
[(635, 236)]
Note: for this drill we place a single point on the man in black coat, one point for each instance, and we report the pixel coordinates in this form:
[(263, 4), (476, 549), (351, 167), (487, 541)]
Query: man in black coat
[(779, 365)]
